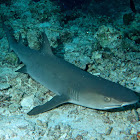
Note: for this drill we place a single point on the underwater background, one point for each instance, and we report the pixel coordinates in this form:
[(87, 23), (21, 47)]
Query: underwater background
[(101, 37)]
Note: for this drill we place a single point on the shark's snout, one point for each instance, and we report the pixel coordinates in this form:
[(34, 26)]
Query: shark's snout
[(129, 103)]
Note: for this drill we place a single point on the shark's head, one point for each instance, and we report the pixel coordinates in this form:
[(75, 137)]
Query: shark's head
[(109, 97), (109, 102)]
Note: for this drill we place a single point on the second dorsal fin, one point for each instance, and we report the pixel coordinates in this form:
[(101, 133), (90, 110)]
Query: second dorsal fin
[(20, 39)]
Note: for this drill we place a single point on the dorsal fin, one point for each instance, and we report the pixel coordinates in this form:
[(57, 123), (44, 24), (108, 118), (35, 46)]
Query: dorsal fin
[(46, 48), (20, 39)]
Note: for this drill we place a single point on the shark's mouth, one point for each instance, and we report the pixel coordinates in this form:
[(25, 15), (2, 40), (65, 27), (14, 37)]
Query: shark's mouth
[(112, 106), (118, 106)]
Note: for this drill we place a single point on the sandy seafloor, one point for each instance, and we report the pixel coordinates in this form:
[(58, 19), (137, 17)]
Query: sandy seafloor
[(102, 45)]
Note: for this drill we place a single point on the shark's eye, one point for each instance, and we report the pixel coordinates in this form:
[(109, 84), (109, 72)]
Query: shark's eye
[(107, 99)]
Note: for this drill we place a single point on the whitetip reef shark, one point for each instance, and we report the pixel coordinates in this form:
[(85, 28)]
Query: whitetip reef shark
[(68, 82)]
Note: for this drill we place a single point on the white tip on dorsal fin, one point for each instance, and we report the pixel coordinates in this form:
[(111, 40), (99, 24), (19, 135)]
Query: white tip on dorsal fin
[(46, 48), (20, 39)]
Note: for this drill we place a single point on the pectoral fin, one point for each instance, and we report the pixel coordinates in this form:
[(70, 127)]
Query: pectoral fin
[(55, 101)]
